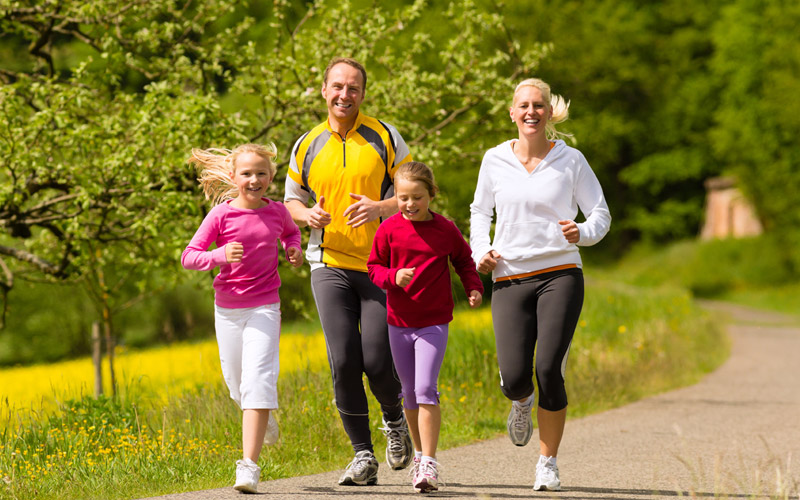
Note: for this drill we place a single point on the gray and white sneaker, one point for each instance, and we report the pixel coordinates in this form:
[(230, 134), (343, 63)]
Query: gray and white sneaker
[(273, 431), (247, 475), (547, 475), (399, 449), (520, 423), (361, 471)]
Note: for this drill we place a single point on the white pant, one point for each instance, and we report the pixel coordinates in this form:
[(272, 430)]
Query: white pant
[(248, 352)]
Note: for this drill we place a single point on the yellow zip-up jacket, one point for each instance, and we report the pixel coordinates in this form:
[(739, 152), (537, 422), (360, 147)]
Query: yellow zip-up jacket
[(323, 163)]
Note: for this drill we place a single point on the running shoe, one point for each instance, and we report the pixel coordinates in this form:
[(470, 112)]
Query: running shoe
[(520, 423), (273, 431), (247, 475), (547, 475), (399, 449), (427, 477), (361, 471)]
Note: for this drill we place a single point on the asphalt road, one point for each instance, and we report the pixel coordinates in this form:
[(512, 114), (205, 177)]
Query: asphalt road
[(736, 434)]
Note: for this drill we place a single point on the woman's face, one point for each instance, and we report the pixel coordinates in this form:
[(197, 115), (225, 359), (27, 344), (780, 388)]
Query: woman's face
[(530, 111)]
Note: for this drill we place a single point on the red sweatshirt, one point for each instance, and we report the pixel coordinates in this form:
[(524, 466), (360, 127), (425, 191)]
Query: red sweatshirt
[(426, 246)]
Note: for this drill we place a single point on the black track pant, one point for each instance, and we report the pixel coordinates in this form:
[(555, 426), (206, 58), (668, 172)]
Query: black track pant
[(352, 310), (541, 313)]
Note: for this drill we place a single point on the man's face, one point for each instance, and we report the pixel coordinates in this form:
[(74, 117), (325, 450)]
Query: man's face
[(343, 92)]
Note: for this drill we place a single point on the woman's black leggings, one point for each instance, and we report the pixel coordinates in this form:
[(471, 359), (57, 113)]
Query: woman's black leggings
[(539, 312)]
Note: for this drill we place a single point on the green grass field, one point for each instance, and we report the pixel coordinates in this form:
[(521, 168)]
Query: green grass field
[(631, 342)]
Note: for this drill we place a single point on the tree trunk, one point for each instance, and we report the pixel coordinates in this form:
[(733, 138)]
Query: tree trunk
[(109, 347), (97, 359)]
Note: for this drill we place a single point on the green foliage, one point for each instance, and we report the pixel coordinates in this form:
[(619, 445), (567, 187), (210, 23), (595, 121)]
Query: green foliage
[(756, 126), (104, 102), (709, 269)]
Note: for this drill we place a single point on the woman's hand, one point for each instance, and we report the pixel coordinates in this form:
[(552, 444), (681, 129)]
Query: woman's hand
[(489, 261), (570, 231)]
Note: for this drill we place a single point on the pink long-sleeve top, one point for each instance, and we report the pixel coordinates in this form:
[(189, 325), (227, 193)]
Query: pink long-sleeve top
[(426, 246), (255, 280)]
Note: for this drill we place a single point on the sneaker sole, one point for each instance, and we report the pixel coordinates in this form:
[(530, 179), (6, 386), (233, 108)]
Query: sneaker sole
[(245, 488), (425, 487), (399, 466), (542, 487), (352, 482)]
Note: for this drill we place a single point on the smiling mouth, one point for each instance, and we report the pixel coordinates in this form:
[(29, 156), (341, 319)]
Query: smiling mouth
[(532, 122)]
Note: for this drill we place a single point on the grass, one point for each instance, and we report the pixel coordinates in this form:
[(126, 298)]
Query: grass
[(754, 272), (631, 342)]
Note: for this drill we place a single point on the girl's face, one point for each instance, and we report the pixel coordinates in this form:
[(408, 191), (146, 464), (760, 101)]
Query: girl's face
[(413, 199), (530, 111), (252, 177)]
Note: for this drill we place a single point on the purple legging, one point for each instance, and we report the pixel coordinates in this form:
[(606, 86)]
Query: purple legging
[(418, 355)]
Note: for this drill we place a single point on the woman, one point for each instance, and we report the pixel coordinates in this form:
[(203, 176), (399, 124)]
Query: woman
[(536, 183)]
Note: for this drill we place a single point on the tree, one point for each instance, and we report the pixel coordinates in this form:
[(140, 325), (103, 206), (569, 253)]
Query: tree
[(98, 122), (757, 124), (108, 98)]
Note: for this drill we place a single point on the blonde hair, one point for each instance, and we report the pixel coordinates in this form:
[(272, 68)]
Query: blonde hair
[(416, 171), (217, 165), (559, 108)]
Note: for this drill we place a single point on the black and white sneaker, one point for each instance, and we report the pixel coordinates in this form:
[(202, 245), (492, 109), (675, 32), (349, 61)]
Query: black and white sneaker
[(399, 449), (361, 471)]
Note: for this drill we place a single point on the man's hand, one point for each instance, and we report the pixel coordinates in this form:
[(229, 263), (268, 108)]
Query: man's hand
[(362, 211), (403, 276), (317, 217)]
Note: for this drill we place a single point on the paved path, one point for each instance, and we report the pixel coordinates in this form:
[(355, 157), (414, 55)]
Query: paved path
[(736, 434)]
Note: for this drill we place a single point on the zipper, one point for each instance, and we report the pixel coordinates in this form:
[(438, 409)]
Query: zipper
[(344, 148)]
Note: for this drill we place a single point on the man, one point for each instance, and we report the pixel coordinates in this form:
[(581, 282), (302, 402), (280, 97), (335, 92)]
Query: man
[(345, 167)]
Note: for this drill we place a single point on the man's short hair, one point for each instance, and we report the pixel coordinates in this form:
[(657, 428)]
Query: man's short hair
[(350, 62)]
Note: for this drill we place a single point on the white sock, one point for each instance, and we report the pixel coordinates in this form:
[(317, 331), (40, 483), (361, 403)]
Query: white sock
[(428, 459), (418, 455)]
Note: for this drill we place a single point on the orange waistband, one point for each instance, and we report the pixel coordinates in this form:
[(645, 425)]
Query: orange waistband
[(534, 273)]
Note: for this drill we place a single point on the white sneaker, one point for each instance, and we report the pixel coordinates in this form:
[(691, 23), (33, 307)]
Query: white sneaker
[(273, 431), (427, 477), (547, 475), (520, 422), (247, 475)]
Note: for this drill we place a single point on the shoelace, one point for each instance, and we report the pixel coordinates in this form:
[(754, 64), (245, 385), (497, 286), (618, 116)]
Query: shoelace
[(428, 469), (412, 471), (520, 417), (359, 464), (546, 470), (395, 436)]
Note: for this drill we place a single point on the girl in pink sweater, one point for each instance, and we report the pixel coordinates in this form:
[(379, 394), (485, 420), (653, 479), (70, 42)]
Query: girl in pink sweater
[(410, 260), (246, 229)]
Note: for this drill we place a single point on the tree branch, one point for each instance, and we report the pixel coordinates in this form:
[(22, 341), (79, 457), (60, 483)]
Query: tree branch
[(37, 262)]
